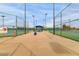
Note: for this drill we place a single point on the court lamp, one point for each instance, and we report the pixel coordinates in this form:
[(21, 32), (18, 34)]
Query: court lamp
[(45, 19), (33, 20), (3, 20)]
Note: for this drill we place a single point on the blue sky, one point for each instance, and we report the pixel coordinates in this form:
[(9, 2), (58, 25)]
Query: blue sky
[(39, 10)]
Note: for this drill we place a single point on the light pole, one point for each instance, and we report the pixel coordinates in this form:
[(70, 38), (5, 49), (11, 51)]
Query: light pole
[(3, 20), (36, 22), (33, 21), (43, 23), (45, 19)]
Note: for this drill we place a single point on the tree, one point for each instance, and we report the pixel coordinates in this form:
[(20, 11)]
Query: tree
[(66, 27)]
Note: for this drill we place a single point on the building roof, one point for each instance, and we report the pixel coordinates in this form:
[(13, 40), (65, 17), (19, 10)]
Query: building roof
[(38, 26)]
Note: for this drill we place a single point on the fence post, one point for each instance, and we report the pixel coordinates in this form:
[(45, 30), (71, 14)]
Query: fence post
[(25, 18), (61, 23), (53, 18), (16, 26)]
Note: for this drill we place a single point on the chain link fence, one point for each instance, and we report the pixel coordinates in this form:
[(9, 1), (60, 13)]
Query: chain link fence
[(10, 25), (67, 22)]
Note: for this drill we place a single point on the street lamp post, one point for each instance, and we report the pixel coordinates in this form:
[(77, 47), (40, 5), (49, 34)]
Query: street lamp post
[(45, 19), (36, 22), (3, 21), (33, 21)]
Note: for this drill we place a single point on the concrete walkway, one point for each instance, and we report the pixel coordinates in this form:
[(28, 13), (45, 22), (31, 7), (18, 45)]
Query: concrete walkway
[(43, 44)]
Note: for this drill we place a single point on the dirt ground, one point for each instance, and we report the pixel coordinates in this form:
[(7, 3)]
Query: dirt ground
[(42, 44)]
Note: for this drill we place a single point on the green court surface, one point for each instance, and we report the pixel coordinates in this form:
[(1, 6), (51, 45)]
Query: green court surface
[(74, 35), (11, 33)]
